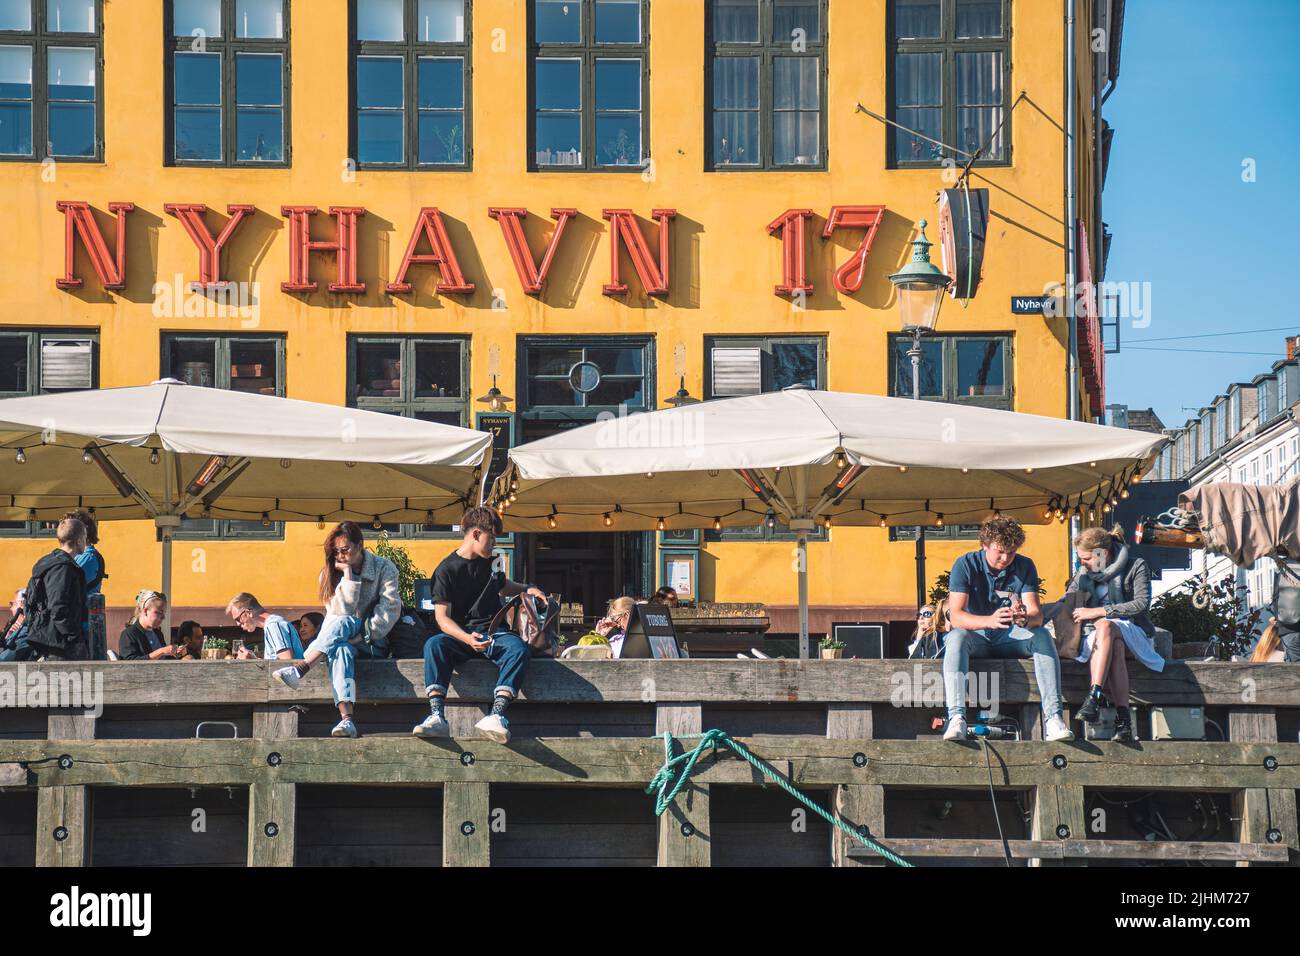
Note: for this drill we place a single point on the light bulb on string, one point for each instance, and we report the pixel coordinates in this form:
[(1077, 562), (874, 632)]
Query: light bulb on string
[(21, 457), (551, 522), (266, 520), (660, 524), (717, 524), (609, 522), (884, 521), (771, 518), (320, 522), (153, 456), (377, 524), (839, 460), (938, 520), (85, 457)]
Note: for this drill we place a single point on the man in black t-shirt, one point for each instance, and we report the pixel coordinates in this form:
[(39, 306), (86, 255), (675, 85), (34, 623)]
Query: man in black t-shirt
[(466, 595)]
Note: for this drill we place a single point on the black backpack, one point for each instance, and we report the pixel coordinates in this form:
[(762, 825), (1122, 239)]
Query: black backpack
[(407, 638)]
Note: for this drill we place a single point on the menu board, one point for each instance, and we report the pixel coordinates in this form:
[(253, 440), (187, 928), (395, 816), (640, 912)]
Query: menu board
[(650, 633)]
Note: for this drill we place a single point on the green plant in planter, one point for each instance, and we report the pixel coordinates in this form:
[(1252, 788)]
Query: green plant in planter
[(1223, 621), (830, 644), (216, 644), (407, 572)]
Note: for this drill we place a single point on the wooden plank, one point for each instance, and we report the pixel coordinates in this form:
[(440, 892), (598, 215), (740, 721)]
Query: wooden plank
[(1058, 815), (272, 824), (1262, 811), (466, 825), (674, 681), (861, 806), (66, 723), (274, 721), (684, 828), (1084, 850), (618, 761), (63, 826)]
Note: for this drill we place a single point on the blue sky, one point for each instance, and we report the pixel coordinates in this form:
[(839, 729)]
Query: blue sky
[(1204, 85)]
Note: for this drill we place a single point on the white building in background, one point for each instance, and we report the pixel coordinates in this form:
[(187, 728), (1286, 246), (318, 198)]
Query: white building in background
[(1248, 435)]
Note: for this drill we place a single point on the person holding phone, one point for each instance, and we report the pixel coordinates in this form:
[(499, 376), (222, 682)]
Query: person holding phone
[(143, 640), (467, 594), (994, 612)]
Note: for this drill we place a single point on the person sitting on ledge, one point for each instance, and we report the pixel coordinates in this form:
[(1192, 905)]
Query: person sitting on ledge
[(1117, 590), (279, 638), (13, 642), (466, 597), (142, 640), (190, 637), (665, 595), (994, 612), (613, 626), (362, 603), (309, 626)]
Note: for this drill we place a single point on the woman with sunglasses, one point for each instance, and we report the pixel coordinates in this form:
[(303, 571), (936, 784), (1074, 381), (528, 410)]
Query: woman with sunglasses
[(362, 603), (143, 638), (931, 626)]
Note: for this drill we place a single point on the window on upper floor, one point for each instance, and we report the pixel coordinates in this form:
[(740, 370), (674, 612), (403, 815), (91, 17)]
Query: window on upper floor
[(227, 82), (240, 363), (41, 362), (748, 365), (588, 84), (966, 369), (948, 82), (411, 84), (765, 84), (51, 82)]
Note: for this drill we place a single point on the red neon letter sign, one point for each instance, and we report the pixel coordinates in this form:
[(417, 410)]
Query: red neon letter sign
[(79, 222), (848, 277), (531, 275), (301, 246), (792, 224), (191, 217), (623, 226), (440, 254)]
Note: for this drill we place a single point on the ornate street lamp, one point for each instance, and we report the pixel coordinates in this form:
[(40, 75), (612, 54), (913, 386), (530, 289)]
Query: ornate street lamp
[(921, 286), (683, 397)]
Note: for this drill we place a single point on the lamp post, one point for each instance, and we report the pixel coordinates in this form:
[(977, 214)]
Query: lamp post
[(921, 286)]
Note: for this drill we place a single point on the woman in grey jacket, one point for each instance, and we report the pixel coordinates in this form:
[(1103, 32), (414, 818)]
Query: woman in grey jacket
[(362, 603), (1117, 591)]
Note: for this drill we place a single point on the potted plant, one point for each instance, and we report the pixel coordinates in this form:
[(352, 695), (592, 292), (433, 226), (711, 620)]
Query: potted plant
[(215, 648), (831, 649)]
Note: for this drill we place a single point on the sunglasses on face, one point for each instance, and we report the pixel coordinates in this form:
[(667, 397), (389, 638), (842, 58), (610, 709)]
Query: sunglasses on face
[(926, 614), (344, 552)]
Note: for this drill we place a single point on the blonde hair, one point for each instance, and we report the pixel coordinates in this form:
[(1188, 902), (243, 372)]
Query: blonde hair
[(243, 601), (620, 605), (1269, 642), (938, 623), (144, 599), (1090, 539)]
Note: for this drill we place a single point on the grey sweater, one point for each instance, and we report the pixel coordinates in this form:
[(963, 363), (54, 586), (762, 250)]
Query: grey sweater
[(1135, 587), (355, 593)]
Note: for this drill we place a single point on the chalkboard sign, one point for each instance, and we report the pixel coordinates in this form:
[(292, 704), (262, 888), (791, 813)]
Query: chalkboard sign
[(501, 426), (650, 633)]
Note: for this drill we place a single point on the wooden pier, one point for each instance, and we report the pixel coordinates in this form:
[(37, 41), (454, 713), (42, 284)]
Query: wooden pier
[(131, 785)]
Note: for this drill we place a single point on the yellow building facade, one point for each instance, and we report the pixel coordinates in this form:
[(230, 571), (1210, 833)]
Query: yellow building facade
[(720, 327)]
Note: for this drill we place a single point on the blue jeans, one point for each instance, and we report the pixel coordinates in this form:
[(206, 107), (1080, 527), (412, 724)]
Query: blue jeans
[(443, 653), (960, 645), (334, 641)]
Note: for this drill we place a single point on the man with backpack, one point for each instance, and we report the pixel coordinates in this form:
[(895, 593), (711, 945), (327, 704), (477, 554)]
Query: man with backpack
[(92, 566), (56, 598), (466, 601)]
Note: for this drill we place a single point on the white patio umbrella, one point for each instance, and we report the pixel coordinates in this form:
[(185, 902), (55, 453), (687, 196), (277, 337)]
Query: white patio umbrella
[(168, 450), (801, 457)]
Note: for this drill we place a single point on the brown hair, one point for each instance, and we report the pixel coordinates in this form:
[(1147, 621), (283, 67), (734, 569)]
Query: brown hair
[(1269, 642), (481, 518), (92, 526), (1006, 533), (1090, 539), (70, 530), (330, 576)]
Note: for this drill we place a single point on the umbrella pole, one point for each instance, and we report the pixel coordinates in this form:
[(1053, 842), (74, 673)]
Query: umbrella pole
[(803, 595), (165, 524)]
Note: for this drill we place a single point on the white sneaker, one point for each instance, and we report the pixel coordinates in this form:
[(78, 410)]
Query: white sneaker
[(434, 725), (494, 728), (288, 676), (956, 729), (1057, 730), (344, 728)]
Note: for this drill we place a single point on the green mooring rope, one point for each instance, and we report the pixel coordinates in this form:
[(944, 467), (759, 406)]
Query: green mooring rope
[(681, 767)]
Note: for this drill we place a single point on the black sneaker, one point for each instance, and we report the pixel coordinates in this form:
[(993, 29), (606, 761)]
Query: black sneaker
[(1124, 729), (1090, 712)]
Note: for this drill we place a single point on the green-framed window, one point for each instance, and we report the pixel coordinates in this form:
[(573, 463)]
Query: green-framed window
[(240, 363), (227, 83), (765, 84), (949, 532), (751, 364), (40, 362), (51, 80), (588, 85), (949, 79), (415, 376), (582, 376), (410, 84), (964, 369)]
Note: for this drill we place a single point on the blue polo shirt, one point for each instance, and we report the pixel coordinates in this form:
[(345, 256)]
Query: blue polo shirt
[(987, 590), (279, 635)]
